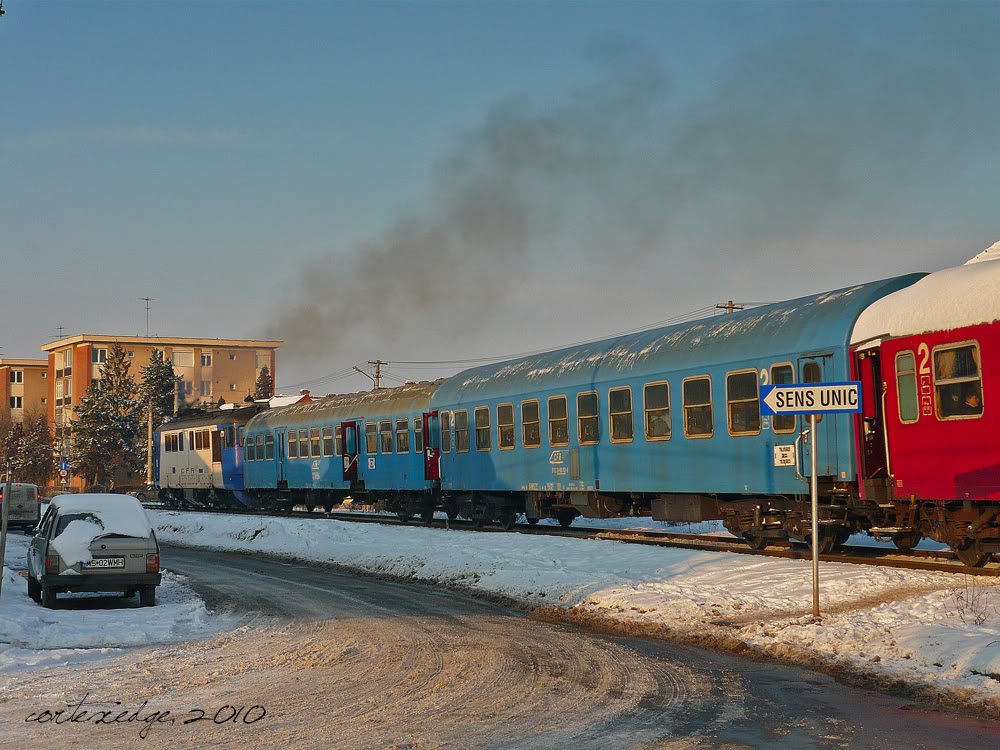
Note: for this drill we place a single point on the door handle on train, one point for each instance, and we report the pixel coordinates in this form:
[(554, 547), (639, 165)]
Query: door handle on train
[(798, 472)]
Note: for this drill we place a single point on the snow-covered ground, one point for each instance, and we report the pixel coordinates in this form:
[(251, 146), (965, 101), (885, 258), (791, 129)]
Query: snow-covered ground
[(31, 636), (886, 623)]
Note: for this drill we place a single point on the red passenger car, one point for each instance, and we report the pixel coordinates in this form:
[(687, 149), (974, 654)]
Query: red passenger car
[(928, 357)]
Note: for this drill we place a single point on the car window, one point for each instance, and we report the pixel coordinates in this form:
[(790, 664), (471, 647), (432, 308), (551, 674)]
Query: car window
[(67, 519)]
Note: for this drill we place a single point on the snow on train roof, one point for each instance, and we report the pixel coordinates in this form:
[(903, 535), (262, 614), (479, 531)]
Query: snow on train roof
[(953, 298), (803, 324)]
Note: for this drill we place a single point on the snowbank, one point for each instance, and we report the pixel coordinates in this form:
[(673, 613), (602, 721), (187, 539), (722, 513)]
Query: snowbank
[(883, 622)]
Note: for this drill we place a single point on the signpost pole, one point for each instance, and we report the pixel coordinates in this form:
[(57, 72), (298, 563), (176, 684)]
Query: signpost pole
[(815, 511), (3, 524)]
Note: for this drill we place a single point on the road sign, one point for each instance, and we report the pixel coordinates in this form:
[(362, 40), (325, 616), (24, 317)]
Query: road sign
[(63, 466), (63, 473), (810, 398)]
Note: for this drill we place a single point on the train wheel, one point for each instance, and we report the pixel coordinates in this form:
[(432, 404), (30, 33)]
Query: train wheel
[(531, 521), (452, 512), (755, 542), (479, 521), (508, 518), (907, 541), (827, 541), (566, 518), (427, 514), (971, 554), (404, 517)]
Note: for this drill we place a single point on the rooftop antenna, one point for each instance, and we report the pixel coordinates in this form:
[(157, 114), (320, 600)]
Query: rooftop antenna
[(147, 300), (60, 330)]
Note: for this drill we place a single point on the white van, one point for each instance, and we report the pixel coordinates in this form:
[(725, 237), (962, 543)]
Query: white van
[(25, 504)]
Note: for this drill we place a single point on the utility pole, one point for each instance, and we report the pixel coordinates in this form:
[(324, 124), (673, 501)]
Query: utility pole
[(3, 523), (378, 371), (729, 306), (147, 300)]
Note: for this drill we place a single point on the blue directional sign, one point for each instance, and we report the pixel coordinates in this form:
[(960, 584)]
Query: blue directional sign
[(63, 466), (811, 398)]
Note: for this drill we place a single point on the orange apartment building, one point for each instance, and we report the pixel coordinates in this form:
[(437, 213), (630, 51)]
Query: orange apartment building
[(210, 369), (24, 386)]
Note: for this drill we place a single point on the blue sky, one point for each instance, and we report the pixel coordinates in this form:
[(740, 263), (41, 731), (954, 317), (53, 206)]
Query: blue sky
[(427, 181)]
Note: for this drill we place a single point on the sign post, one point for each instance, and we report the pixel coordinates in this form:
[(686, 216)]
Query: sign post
[(812, 399)]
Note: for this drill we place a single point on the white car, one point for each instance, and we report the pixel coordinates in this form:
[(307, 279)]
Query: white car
[(94, 542)]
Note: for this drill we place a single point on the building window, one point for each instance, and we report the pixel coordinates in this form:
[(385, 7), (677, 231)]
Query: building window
[(232, 386), (588, 421), (263, 360), (531, 436), (371, 438), (98, 356), (783, 374), (505, 426), (698, 421), (402, 436), (314, 441), (206, 359), (462, 431), (482, 417), (303, 443), (131, 354), (15, 402), (418, 434), (186, 387), (293, 443), (656, 403), (206, 387), (269, 447), (232, 356), (60, 384), (558, 421), (327, 442), (620, 411), (44, 400), (182, 358), (44, 374), (446, 432), (69, 387), (385, 435), (743, 401), (17, 376), (957, 383)]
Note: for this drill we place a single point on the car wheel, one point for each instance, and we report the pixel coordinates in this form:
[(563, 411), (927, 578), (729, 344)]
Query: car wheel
[(147, 596), (34, 590), (48, 597)]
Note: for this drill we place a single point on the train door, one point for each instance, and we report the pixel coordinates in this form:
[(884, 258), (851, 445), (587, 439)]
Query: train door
[(819, 369), (868, 367), (350, 440), (279, 457), (432, 446)]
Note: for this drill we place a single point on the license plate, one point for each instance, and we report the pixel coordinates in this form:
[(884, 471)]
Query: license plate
[(105, 562)]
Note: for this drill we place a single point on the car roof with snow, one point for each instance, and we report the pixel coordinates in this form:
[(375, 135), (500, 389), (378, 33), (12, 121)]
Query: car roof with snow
[(118, 514)]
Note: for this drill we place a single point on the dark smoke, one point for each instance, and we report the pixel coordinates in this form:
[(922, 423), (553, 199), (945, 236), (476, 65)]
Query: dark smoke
[(813, 135)]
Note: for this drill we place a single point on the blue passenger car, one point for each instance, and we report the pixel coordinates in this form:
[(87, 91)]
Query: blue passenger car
[(368, 446), (665, 422)]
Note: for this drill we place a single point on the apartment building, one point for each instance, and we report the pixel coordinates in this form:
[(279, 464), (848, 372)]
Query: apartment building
[(24, 386)]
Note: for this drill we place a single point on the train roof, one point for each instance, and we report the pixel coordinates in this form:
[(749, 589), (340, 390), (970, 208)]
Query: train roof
[(401, 401), (953, 298), (816, 323), (198, 418)]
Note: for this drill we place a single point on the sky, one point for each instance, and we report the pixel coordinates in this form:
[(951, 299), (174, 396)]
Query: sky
[(428, 183)]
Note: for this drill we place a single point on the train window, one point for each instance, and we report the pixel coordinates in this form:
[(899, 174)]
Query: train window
[(327, 442), (482, 417), (446, 432), (197, 441), (293, 443), (314, 441), (906, 388), (303, 443), (338, 441), (191, 440), (251, 453), (958, 387), (811, 373), (385, 435), (371, 438), (230, 435), (656, 403), (402, 436), (743, 401), (558, 421), (418, 434), (260, 447), (783, 374), (588, 422), (269, 447), (462, 431), (505, 426), (698, 420), (620, 411), (531, 436)]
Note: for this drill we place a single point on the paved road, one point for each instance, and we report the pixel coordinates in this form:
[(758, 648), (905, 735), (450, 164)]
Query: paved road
[(344, 661)]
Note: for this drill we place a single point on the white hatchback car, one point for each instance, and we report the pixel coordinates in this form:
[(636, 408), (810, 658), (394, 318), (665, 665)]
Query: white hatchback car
[(94, 542)]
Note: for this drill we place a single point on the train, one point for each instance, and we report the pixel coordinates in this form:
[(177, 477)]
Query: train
[(667, 423)]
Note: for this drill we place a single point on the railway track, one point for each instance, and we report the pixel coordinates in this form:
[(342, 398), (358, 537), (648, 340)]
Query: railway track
[(942, 561)]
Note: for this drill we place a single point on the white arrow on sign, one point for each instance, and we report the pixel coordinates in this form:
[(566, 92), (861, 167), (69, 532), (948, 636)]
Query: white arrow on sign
[(811, 398)]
